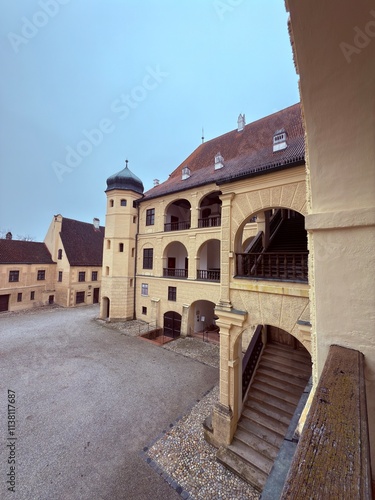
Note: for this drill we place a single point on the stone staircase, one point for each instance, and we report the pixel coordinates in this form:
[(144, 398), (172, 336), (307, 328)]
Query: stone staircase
[(279, 382)]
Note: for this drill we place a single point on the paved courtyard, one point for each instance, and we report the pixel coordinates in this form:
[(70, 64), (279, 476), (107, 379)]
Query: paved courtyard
[(88, 400)]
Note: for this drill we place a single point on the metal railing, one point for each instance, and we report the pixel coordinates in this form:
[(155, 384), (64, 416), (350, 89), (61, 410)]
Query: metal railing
[(175, 273), (210, 222), (208, 275), (177, 226)]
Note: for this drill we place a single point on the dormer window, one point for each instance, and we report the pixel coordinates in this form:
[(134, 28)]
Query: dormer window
[(279, 140), (185, 173), (219, 161)]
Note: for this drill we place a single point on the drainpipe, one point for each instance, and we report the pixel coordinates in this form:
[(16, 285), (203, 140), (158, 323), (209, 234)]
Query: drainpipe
[(135, 263)]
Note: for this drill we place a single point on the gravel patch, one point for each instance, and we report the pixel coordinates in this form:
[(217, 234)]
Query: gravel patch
[(190, 347), (187, 462)]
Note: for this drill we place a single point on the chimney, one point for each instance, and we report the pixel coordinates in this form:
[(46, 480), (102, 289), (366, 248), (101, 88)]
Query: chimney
[(96, 223), (241, 122), (9, 236), (219, 161), (156, 182)]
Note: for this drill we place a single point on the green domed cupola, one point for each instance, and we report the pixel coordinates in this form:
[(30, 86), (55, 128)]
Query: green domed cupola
[(125, 180)]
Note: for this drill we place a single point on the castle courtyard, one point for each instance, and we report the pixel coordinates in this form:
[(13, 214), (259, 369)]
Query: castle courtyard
[(88, 401)]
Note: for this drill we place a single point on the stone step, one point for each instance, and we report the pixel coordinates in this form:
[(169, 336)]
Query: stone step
[(289, 380), (256, 443), (268, 434), (289, 353), (269, 410), (251, 456), (276, 392), (273, 423), (281, 362), (278, 388), (246, 471), (272, 401), (285, 368)]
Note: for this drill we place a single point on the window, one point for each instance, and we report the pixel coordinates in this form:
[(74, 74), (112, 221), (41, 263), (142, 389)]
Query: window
[(60, 276), (134, 219), (14, 276), (132, 252), (134, 204), (172, 293), (123, 203), (111, 203), (121, 247), (131, 282), (144, 289), (148, 256), (82, 276), (32, 295), (59, 254), (94, 276), (150, 217), (41, 275), (144, 310), (80, 297), (107, 270), (108, 244), (19, 297)]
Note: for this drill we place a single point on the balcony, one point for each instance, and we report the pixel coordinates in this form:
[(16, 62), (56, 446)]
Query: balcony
[(175, 273), (288, 266), (210, 222), (208, 274), (177, 226)]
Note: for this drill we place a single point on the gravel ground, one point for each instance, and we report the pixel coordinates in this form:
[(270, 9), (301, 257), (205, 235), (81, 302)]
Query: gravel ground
[(190, 461), (181, 455)]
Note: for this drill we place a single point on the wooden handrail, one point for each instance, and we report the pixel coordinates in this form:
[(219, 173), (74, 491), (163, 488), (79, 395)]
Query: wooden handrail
[(274, 265), (332, 459), (250, 359)]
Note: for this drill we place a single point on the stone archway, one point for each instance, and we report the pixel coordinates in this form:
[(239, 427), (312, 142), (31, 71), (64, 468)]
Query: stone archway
[(106, 306)]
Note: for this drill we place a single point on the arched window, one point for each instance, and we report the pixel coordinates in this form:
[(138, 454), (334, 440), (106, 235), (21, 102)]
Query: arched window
[(121, 247), (111, 203), (59, 254)]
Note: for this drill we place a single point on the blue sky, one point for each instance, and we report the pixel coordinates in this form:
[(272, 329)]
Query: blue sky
[(88, 83)]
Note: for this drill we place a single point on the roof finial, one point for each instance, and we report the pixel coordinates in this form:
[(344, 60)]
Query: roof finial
[(202, 135), (126, 163)]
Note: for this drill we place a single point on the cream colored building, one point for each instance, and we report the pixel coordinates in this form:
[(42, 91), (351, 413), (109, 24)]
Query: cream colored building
[(189, 261), (27, 275), (65, 269), (334, 51), (77, 249)]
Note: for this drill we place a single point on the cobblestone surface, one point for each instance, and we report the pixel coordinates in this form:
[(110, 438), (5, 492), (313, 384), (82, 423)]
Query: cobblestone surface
[(190, 461), (181, 455)]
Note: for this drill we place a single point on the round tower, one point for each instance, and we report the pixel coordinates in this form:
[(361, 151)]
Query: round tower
[(117, 288)]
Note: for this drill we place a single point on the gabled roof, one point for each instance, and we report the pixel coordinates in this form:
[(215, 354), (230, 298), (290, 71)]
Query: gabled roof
[(83, 244), (245, 153), (24, 252)]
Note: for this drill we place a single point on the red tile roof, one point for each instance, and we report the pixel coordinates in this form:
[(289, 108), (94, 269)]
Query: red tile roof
[(24, 252), (82, 243), (245, 153)]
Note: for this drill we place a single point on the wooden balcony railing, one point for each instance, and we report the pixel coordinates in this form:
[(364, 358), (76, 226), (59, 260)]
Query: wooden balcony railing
[(177, 226), (210, 222), (270, 265), (175, 273), (208, 274), (250, 359), (332, 459)]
